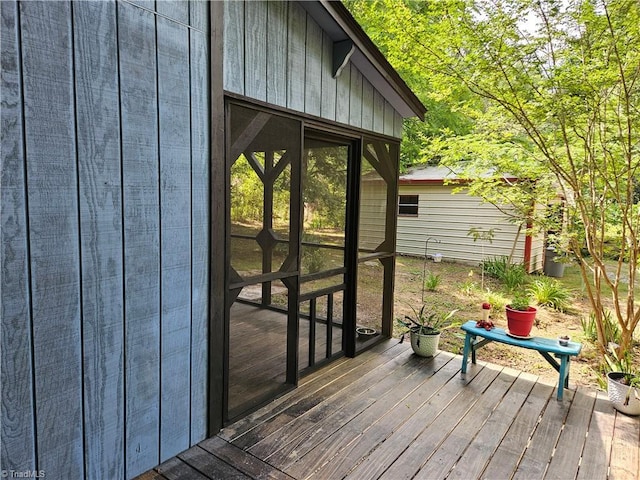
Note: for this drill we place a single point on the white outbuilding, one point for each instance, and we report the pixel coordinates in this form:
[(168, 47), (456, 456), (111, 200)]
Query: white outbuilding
[(435, 221)]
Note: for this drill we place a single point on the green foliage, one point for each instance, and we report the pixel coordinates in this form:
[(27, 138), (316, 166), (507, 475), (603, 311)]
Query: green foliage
[(496, 266), (623, 362), (611, 329), (424, 322), (432, 281), (513, 276), (551, 104), (521, 301), (550, 292), (497, 300)]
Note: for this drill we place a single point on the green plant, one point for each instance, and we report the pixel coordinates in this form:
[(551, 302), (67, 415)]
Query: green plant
[(512, 275), (610, 328), (426, 323), (496, 300), (520, 302), (623, 363), (496, 266), (431, 282), (548, 291)]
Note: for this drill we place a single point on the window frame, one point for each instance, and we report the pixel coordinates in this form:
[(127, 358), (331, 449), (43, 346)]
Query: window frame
[(406, 204)]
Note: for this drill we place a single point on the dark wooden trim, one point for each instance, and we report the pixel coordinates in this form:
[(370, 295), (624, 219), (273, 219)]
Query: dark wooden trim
[(351, 249), (218, 202), (322, 292), (320, 275), (313, 122)]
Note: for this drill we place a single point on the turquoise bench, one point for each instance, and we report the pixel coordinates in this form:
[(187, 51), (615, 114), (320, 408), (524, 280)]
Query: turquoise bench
[(546, 347)]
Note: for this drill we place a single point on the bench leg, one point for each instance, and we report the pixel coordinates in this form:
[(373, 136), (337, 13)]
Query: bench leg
[(465, 352), (563, 381)]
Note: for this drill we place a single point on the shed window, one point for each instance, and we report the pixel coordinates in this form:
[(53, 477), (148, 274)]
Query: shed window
[(408, 205)]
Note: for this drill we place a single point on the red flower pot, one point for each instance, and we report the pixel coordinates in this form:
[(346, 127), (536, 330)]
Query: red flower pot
[(520, 322)]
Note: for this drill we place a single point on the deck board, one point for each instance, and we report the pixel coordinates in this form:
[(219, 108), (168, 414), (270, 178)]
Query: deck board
[(483, 446), (391, 415)]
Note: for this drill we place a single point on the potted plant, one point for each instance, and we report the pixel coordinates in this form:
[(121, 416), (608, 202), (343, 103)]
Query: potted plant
[(424, 329), (520, 316), (623, 382)]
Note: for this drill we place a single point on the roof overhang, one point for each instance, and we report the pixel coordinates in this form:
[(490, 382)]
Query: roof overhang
[(335, 19)]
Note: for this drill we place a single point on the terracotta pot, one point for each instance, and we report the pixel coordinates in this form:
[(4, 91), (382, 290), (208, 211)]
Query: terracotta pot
[(520, 322)]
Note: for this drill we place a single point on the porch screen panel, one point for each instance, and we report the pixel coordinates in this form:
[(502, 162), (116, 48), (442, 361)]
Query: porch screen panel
[(376, 237), (264, 178)]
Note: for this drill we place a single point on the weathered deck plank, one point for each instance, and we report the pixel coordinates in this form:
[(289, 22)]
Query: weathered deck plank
[(483, 446), (544, 440), (352, 443), (389, 414), (624, 449), (407, 445), (566, 458), (597, 448), (283, 441)]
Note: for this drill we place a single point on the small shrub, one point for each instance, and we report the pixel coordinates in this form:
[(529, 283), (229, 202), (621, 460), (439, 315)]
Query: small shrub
[(549, 292), (496, 300), (512, 275), (611, 329), (313, 259), (431, 282), (496, 266), (468, 287)]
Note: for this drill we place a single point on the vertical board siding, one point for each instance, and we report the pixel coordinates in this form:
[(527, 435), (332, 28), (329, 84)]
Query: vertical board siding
[(234, 63), (328, 98), (98, 133), (367, 105), (378, 112), (343, 95), (105, 230), (17, 448), (274, 51), (199, 232), (175, 221), (313, 75), (355, 98), (296, 57), (389, 115), (53, 235), (255, 32), (397, 124), (174, 9), (199, 15), (276, 42), (141, 236)]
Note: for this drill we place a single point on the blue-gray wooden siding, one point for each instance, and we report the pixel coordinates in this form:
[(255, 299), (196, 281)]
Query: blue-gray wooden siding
[(105, 147), (292, 68)]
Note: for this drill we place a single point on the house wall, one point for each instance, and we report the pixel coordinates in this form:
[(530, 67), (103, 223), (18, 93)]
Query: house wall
[(448, 218), (293, 68), (104, 221)]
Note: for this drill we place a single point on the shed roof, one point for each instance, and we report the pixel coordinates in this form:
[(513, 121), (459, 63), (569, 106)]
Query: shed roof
[(435, 175), (340, 25)]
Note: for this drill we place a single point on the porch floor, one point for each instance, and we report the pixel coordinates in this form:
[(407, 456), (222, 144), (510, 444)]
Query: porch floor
[(389, 414)]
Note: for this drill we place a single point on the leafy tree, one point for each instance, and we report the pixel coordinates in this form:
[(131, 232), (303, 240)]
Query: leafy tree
[(567, 76)]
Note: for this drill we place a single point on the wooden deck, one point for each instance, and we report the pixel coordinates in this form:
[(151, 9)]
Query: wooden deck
[(391, 415)]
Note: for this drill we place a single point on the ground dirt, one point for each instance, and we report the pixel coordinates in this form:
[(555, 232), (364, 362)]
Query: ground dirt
[(460, 288)]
